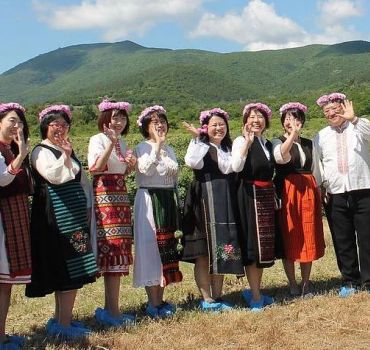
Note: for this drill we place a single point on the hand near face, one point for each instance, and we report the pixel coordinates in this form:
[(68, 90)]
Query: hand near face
[(191, 129), (110, 133), (65, 144), (248, 134), (23, 146), (348, 112), (158, 134), (296, 126)]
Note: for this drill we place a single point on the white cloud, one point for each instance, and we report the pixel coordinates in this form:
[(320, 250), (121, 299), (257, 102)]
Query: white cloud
[(117, 19), (333, 11), (259, 27), (256, 27)]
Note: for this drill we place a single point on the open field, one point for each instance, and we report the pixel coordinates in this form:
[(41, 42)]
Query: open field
[(323, 322)]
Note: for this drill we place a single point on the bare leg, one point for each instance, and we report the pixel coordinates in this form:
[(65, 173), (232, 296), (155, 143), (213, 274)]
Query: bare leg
[(112, 287), (290, 273), (66, 302), (202, 278), (5, 292), (305, 273), (160, 293), (254, 276), (154, 293), (56, 312), (217, 282)]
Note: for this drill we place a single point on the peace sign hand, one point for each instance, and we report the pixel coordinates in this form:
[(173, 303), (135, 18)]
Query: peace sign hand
[(248, 134), (23, 146), (296, 126)]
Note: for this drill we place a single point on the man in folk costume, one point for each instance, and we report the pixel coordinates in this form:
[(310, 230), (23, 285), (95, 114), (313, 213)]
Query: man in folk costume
[(343, 148)]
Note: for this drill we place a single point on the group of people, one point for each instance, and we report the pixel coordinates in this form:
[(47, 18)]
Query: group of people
[(251, 201)]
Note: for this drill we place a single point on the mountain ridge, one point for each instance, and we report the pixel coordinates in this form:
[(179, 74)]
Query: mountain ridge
[(80, 73)]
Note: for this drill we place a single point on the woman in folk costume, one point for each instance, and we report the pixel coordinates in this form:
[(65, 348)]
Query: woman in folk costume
[(156, 216), (15, 248), (109, 162), (300, 220), (209, 223), (62, 257), (253, 160)]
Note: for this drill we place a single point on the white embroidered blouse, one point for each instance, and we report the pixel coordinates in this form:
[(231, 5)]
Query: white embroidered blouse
[(97, 144), (198, 149), (152, 171), (55, 171), (344, 155)]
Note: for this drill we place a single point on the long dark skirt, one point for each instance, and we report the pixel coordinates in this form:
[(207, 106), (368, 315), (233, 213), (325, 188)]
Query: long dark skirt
[(62, 257), (257, 217), (210, 226)]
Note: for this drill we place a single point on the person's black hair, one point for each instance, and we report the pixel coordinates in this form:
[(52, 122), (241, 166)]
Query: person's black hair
[(296, 113), (50, 118), (26, 132), (144, 129), (226, 142)]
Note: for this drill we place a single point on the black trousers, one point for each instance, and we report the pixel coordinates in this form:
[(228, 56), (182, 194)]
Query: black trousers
[(349, 220)]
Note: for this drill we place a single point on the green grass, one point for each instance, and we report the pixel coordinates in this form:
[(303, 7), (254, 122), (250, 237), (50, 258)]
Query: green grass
[(323, 322)]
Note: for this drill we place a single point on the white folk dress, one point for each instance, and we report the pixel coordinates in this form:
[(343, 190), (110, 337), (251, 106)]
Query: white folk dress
[(152, 172)]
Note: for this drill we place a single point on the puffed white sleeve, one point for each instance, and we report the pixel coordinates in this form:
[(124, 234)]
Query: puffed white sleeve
[(225, 161), (146, 162), (276, 150), (167, 164), (5, 176), (362, 126), (195, 154), (52, 169), (95, 150), (237, 160)]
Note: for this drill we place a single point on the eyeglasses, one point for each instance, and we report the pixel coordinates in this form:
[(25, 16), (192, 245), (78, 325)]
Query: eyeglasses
[(156, 122), (59, 125), (329, 110)]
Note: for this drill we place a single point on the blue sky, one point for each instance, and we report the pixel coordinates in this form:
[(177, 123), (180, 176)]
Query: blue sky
[(33, 27)]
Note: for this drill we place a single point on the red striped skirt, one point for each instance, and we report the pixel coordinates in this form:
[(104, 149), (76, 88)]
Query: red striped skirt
[(113, 224), (301, 219)]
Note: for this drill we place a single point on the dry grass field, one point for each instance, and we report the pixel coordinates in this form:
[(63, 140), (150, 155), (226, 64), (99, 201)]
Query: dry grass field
[(322, 322)]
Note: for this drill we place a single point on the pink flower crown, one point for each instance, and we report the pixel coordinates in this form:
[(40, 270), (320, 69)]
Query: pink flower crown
[(334, 96), (148, 111), (292, 105), (4, 107), (204, 115), (106, 105), (55, 108), (260, 106)]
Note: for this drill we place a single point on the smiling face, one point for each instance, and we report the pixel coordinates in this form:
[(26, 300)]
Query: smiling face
[(332, 112), (217, 129), (256, 122), (118, 122), (288, 121), (57, 129), (157, 124), (9, 125)]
